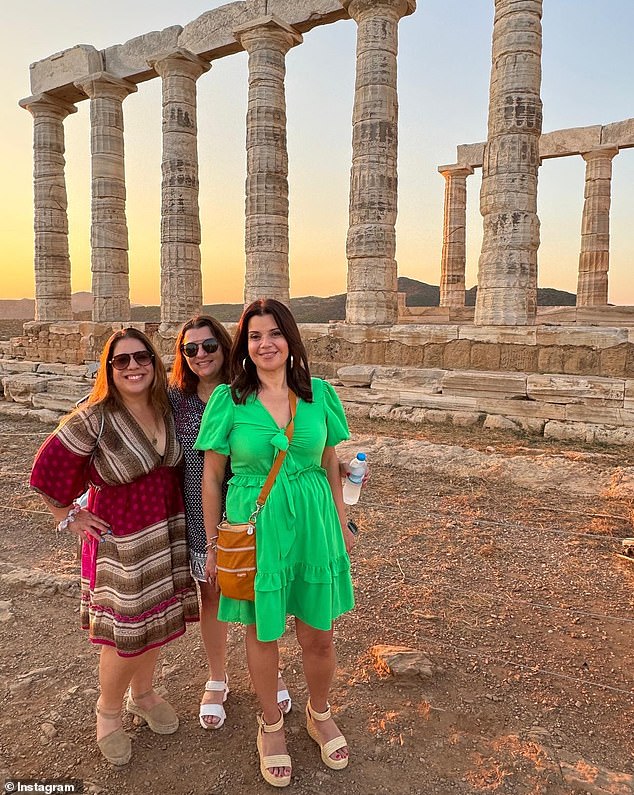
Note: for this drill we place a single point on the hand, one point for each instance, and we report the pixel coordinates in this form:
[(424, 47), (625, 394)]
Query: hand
[(349, 538), (210, 568), (344, 471), (86, 525)]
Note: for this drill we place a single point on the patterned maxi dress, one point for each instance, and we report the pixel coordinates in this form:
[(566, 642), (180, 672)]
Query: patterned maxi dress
[(303, 568), (137, 591)]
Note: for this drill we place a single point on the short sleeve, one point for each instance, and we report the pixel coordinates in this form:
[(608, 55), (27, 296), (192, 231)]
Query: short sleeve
[(336, 423), (60, 470), (217, 422)]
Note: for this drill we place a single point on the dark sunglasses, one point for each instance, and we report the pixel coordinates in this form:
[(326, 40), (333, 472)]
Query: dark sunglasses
[(122, 360), (190, 349)]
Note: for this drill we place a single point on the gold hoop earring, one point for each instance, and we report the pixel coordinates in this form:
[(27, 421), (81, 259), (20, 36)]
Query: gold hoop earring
[(244, 364), (291, 360)]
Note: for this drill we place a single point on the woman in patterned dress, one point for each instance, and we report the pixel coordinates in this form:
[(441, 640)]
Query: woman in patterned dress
[(201, 363), (137, 591), (302, 537)]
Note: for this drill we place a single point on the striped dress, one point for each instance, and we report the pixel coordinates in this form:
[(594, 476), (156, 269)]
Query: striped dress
[(137, 591)]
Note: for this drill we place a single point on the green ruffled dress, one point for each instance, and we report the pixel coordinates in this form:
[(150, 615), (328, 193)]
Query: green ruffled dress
[(303, 568)]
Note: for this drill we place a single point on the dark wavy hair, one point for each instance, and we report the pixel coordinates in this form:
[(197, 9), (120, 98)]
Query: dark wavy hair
[(182, 376), (245, 379), (106, 393)]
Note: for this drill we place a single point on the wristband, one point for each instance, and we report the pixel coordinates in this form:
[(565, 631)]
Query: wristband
[(69, 518), (213, 544), (353, 527)]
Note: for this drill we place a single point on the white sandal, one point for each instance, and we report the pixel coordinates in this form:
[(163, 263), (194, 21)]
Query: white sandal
[(214, 710), (283, 695)]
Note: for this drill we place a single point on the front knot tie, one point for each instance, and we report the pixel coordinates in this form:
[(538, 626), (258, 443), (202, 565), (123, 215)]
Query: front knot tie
[(280, 441)]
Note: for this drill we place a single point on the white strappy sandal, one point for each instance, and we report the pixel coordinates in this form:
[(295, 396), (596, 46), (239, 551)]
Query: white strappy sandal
[(214, 710), (283, 695)]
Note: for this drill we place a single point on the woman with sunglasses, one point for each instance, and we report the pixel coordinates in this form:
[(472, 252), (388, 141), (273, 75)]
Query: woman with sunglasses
[(302, 537), (137, 591), (201, 363)]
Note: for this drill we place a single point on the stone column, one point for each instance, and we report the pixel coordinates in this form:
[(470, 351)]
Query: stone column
[(181, 277), (52, 261), (594, 258), (371, 243), (267, 40), (507, 279), (109, 228), (454, 254)]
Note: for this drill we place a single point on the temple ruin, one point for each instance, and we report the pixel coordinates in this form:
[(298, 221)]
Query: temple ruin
[(563, 371)]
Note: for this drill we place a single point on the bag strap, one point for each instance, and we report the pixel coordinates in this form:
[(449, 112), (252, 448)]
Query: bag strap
[(279, 459)]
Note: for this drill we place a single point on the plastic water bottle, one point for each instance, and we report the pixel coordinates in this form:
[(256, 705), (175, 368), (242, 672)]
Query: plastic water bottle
[(354, 479)]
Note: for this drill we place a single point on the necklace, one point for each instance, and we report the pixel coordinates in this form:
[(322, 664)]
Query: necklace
[(152, 434)]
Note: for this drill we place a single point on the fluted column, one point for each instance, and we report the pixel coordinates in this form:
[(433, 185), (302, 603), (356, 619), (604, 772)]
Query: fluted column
[(109, 228), (454, 253), (507, 279), (181, 277), (594, 258), (371, 242), (52, 260), (267, 40)]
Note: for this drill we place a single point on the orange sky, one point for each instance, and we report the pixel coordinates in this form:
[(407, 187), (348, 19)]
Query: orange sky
[(443, 93)]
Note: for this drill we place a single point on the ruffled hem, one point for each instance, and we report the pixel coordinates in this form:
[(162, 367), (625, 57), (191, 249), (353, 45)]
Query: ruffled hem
[(316, 575)]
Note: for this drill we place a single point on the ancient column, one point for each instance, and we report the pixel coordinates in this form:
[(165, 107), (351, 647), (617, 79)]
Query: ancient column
[(52, 261), (181, 276), (594, 258), (109, 228), (507, 279), (454, 254), (267, 40), (371, 243)]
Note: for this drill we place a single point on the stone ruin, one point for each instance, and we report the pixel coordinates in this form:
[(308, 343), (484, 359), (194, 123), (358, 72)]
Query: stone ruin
[(564, 372)]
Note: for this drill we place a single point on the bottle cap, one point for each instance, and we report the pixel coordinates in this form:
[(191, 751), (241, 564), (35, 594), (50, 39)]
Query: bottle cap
[(361, 456)]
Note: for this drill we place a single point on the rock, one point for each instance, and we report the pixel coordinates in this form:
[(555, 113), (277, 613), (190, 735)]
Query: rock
[(48, 730), (587, 777), (621, 485), (6, 612), (494, 422), (402, 661)]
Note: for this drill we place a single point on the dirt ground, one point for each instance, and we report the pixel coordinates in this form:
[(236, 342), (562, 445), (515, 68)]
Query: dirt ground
[(516, 597)]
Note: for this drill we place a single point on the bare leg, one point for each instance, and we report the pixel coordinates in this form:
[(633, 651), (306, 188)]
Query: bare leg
[(141, 684), (214, 636), (115, 675), (263, 661), (318, 656)]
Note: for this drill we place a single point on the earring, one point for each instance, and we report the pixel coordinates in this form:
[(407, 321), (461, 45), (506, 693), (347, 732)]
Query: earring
[(291, 360), (244, 363)]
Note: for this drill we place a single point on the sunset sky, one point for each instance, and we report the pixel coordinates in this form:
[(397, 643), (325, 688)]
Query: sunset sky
[(444, 66)]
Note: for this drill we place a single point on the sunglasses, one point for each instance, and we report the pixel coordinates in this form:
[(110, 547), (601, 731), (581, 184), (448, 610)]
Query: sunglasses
[(122, 360), (190, 349)]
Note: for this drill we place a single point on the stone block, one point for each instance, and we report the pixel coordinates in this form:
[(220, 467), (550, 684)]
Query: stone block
[(495, 422), (420, 334), (51, 368), (21, 388), (129, 61), (360, 334), (581, 361), (356, 409), (11, 409), (457, 355), (605, 315), (307, 14), (380, 412), (559, 315), (46, 416), (622, 436), (433, 355), (485, 356), (550, 359), (470, 154), (573, 141), (628, 402), (519, 358), (212, 33), (70, 388), (359, 394), (480, 385), (591, 390), (569, 431), (603, 415), (437, 417), (62, 69), (613, 361), (391, 379), (356, 374), (620, 133), (588, 336), (513, 335), (12, 366), (57, 403), (466, 419), (532, 425)]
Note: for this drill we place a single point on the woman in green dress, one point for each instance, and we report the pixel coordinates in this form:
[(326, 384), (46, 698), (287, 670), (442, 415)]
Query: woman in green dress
[(303, 541)]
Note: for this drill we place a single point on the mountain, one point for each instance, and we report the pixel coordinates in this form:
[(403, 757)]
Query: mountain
[(308, 309)]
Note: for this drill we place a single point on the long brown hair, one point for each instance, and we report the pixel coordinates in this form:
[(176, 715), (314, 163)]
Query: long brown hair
[(107, 394), (182, 376), (245, 379)]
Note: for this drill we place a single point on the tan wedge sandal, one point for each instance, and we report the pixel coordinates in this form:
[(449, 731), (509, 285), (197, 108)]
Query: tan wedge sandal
[(329, 747), (161, 718), (115, 747), (277, 760)]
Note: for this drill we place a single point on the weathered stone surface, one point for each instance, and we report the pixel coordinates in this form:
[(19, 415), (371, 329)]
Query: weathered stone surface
[(589, 336), (530, 424), (522, 408), (388, 379), (620, 133), (472, 154), (306, 14), (53, 403), (21, 388), (583, 776), (576, 389), (573, 141), (11, 366), (466, 419), (422, 334), (129, 61), (356, 374), (599, 414), (40, 583), (211, 34), (519, 335), (483, 384), (628, 402), (569, 431), (402, 661), (453, 260), (495, 422), (63, 68)]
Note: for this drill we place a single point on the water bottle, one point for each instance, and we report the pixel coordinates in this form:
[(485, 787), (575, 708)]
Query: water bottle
[(354, 479)]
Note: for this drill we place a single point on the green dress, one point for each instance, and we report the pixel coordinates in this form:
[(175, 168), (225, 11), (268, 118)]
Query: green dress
[(303, 568)]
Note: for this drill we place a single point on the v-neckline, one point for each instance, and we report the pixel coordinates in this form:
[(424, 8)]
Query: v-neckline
[(150, 446), (272, 418)]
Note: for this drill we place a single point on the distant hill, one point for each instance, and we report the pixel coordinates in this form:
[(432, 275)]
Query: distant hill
[(308, 309)]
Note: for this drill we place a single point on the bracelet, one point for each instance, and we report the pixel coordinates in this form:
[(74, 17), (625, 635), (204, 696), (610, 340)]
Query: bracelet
[(69, 518), (213, 544)]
